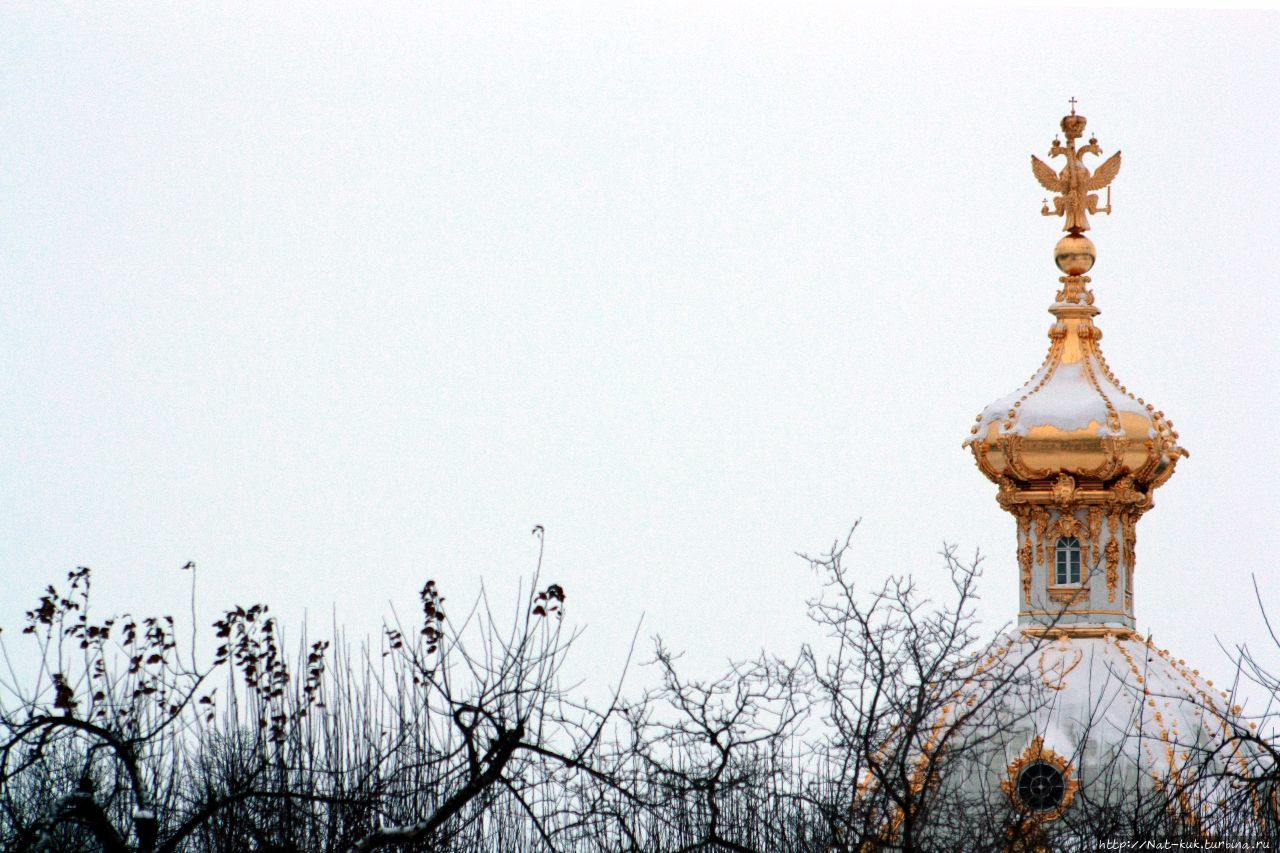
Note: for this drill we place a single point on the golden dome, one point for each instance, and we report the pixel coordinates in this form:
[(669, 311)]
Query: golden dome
[(1073, 424), (1073, 416)]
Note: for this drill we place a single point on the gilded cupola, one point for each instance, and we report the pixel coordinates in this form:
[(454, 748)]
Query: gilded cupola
[(1072, 718), (1076, 454), (1073, 416), (1084, 716)]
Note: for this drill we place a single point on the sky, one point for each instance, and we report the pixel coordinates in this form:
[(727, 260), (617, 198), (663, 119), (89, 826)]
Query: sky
[(335, 300)]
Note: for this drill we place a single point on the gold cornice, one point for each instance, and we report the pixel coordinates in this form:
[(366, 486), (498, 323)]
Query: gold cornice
[(1093, 612), (1043, 495), (1074, 311), (1089, 631)]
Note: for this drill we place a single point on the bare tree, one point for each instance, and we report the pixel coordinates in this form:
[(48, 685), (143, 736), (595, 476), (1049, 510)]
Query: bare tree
[(906, 688), (122, 743), (459, 731)]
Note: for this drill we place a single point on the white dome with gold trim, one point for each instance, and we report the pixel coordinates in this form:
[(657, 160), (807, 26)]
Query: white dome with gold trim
[(1117, 718)]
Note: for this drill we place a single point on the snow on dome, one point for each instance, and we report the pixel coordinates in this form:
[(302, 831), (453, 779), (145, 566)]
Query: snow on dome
[(1074, 417)]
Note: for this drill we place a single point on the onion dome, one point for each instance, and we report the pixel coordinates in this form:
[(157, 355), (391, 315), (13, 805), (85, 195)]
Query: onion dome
[(1073, 417)]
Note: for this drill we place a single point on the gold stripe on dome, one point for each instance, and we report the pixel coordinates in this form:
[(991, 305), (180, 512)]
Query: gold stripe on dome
[(1054, 673), (1040, 493)]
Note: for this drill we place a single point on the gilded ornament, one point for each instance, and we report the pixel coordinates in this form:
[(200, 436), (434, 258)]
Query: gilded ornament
[(1037, 751), (1066, 525), (1054, 672), (1075, 185), (1069, 596), (1074, 299), (1095, 532), (1024, 563), (1023, 516), (1041, 517), (1113, 565), (1129, 524), (1074, 255), (1123, 492), (1064, 489), (1009, 495)]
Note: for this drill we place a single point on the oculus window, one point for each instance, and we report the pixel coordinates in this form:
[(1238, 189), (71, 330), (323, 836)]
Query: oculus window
[(1041, 786)]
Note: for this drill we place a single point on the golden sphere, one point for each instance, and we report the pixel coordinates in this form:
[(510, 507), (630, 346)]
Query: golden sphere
[(1075, 254)]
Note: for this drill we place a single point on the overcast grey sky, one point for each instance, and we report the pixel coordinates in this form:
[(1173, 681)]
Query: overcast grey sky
[(333, 301)]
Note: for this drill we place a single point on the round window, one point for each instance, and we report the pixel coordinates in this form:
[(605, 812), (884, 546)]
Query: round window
[(1041, 786)]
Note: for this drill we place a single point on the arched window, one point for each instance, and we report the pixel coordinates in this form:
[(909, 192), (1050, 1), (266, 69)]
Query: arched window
[(1068, 563)]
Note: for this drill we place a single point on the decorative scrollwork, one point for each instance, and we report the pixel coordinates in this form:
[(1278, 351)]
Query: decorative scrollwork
[(1064, 489), (1066, 525), (1024, 563), (1113, 565), (1124, 492), (1095, 533), (1054, 671), (1129, 524), (1041, 518)]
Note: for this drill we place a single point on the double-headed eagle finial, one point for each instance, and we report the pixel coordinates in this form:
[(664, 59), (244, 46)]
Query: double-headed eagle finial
[(1075, 185)]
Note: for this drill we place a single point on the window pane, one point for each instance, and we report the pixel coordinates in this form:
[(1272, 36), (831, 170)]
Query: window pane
[(1067, 560)]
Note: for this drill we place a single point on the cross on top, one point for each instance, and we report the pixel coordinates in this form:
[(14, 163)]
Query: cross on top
[(1073, 105)]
